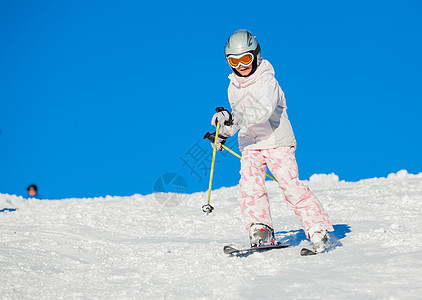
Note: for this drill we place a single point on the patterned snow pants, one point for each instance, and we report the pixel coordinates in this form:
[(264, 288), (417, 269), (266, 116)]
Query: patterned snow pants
[(254, 201)]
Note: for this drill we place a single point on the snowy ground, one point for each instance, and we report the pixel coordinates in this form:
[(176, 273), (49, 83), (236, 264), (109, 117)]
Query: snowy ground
[(135, 247)]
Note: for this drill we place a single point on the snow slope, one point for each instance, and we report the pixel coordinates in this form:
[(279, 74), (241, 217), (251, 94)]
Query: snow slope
[(135, 247)]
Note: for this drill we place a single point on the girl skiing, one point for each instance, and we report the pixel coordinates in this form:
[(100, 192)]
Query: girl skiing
[(265, 139)]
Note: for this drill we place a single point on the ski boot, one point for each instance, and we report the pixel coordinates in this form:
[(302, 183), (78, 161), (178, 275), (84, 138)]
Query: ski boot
[(261, 235), (320, 239)]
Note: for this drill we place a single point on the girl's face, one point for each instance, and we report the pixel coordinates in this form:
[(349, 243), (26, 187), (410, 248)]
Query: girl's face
[(32, 192), (244, 71)]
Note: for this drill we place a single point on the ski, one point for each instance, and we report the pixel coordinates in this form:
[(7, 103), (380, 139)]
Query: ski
[(244, 251)]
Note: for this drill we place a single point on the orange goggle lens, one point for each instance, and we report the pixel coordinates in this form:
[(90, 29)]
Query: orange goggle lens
[(244, 60)]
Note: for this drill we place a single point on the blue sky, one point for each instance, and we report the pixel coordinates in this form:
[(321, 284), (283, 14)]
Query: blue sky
[(103, 97)]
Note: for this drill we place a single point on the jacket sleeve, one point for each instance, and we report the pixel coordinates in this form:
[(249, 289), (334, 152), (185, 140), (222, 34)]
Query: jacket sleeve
[(228, 130), (263, 102)]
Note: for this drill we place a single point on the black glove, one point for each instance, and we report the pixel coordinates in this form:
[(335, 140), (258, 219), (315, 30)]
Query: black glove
[(221, 139), (223, 116)]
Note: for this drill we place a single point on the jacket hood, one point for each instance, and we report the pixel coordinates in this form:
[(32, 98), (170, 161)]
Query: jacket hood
[(264, 68)]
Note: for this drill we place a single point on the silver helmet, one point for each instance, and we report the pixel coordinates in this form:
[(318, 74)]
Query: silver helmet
[(242, 41)]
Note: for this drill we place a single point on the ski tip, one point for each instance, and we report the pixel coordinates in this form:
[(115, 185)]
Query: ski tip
[(307, 252), (229, 249)]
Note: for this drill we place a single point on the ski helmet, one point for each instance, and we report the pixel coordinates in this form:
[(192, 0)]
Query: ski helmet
[(32, 187), (243, 41)]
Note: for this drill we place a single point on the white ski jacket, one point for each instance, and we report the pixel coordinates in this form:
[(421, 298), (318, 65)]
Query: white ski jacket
[(259, 111)]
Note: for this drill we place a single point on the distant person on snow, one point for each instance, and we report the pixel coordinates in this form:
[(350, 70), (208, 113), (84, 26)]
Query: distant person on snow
[(32, 191), (265, 139)]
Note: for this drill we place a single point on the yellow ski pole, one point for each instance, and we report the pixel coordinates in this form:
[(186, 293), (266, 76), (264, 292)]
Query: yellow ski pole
[(207, 208), (235, 154), (211, 137)]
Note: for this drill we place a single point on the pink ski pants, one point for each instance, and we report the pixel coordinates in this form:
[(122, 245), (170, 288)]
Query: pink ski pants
[(254, 201)]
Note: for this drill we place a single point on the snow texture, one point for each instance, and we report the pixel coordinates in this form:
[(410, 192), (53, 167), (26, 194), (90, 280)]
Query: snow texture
[(137, 247)]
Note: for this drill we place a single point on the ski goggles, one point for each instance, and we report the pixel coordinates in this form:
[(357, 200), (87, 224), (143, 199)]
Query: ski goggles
[(244, 59)]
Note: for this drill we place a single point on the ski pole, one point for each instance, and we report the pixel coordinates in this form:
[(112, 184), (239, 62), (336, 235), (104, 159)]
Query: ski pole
[(211, 137), (235, 154), (231, 151), (207, 208)]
